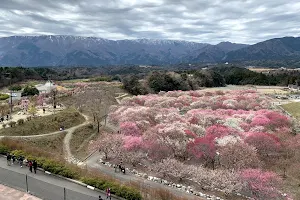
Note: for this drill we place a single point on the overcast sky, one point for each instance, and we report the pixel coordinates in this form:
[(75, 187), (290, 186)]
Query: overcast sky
[(209, 21)]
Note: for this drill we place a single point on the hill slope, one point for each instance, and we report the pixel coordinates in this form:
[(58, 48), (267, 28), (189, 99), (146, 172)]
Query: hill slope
[(274, 49)]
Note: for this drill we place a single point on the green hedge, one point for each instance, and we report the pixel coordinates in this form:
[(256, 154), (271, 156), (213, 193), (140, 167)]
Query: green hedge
[(15, 87), (101, 78), (4, 96), (50, 165), (3, 150), (119, 190), (60, 168)]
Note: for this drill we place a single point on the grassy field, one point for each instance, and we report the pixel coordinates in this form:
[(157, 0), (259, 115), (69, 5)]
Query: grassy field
[(51, 144), (293, 109), (47, 124), (80, 140), (74, 81)]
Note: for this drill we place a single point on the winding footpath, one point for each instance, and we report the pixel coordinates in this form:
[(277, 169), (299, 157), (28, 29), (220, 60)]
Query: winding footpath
[(68, 131), (66, 148)]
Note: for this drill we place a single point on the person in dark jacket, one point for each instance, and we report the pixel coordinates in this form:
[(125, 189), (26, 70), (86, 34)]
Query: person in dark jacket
[(21, 161), (34, 164), (13, 159), (8, 157)]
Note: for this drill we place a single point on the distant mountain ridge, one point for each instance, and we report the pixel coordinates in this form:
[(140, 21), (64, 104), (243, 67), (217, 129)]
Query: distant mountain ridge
[(63, 50), (55, 50), (273, 49)]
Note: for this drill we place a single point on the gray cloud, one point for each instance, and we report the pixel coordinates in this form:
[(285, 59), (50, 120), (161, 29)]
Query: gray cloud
[(209, 21)]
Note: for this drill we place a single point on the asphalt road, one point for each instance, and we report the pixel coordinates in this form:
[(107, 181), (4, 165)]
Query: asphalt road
[(92, 163), (44, 186)]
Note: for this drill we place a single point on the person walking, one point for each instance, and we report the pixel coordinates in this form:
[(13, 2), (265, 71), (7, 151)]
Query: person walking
[(108, 194), (21, 161), (34, 164), (25, 162), (13, 159), (30, 165), (8, 157)]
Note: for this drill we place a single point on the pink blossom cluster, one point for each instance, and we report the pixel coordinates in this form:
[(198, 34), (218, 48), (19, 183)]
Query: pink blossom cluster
[(245, 100), (198, 129)]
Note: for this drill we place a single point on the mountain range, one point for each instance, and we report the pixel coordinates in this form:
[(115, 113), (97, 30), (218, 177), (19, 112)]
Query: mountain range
[(61, 50)]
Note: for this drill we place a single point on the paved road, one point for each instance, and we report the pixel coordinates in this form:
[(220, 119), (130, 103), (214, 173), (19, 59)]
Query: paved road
[(44, 186), (7, 193), (92, 163)]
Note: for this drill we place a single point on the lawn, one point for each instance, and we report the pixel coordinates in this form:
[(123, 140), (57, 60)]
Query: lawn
[(80, 140), (43, 125), (293, 109)]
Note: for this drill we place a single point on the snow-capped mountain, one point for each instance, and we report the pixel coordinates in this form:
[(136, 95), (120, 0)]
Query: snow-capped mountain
[(55, 50)]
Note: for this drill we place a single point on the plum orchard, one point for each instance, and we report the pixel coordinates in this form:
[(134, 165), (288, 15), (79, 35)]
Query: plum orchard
[(216, 139)]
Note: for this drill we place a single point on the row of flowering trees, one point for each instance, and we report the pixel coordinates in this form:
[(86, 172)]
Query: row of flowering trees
[(216, 139)]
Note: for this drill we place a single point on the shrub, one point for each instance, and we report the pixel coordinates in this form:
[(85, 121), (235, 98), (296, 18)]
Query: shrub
[(12, 123), (102, 78), (21, 121), (30, 91), (4, 96), (3, 149), (90, 126), (117, 189), (15, 87)]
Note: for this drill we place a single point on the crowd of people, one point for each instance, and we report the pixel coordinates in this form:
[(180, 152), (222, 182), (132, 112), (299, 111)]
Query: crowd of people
[(12, 160), (3, 118), (32, 165)]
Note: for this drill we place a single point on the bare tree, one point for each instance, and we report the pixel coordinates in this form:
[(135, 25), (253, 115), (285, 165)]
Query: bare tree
[(97, 105)]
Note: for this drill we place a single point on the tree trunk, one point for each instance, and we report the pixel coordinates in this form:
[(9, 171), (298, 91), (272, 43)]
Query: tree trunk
[(98, 126)]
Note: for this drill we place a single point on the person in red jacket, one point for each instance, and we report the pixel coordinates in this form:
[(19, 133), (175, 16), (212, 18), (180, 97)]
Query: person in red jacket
[(30, 165)]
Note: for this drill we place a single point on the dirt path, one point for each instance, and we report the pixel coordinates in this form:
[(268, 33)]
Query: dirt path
[(67, 151), (34, 136)]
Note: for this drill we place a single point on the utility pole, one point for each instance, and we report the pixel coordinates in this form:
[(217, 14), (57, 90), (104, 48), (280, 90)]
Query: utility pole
[(11, 108), (11, 105)]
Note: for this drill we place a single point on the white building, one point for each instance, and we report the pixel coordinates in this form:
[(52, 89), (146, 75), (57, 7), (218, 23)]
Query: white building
[(46, 88)]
